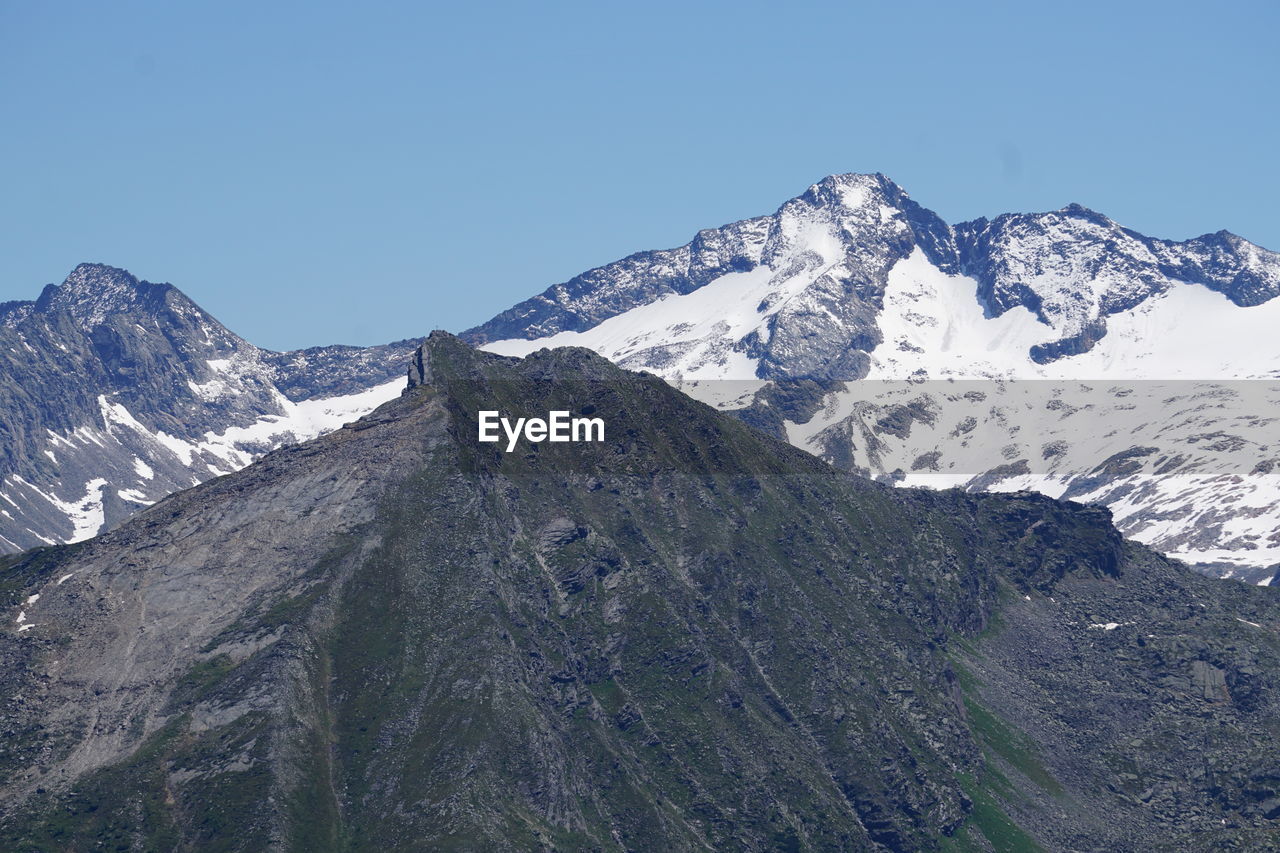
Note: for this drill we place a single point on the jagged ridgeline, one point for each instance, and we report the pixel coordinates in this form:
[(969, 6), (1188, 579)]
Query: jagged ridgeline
[(115, 392), (853, 280), (688, 636)]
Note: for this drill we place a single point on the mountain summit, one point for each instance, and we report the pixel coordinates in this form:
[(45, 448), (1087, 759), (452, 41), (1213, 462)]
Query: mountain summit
[(93, 291), (115, 392), (784, 295), (807, 292)]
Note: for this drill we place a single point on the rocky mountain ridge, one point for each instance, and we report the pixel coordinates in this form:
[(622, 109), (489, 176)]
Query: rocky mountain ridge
[(115, 392), (825, 256), (585, 646)]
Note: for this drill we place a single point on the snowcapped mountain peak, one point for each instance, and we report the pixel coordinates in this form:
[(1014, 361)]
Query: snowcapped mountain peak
[(795, 293), (92, 292), (1075, 208), (91, 276), (1071, 268), (802, 293), (851, 191), (816, 228), (1075, 268), (852, 199), (113, 381), (853, 280)]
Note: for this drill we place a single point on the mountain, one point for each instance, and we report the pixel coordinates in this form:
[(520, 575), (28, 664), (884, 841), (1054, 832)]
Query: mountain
[(115, 392), (686, 636), (853, 283), (802, 293)]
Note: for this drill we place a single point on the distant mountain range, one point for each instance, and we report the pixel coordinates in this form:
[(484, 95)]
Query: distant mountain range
[(116, 392), (1144, 371), (1057, 351), (687, 637), (839, 282)]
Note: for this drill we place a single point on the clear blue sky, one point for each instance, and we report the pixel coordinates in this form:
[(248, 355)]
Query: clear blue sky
[(321, 172)]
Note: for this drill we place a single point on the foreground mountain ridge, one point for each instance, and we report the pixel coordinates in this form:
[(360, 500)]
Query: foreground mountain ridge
[(395, 636), (115, 392)]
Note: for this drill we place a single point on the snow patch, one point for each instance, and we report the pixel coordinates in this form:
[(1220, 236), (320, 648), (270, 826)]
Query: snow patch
[(236, 447), (694, 333), (934, 323), (86, 515)]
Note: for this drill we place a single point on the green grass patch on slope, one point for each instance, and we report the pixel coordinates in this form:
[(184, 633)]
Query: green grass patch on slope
[(990, 819), (1011, 745)]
